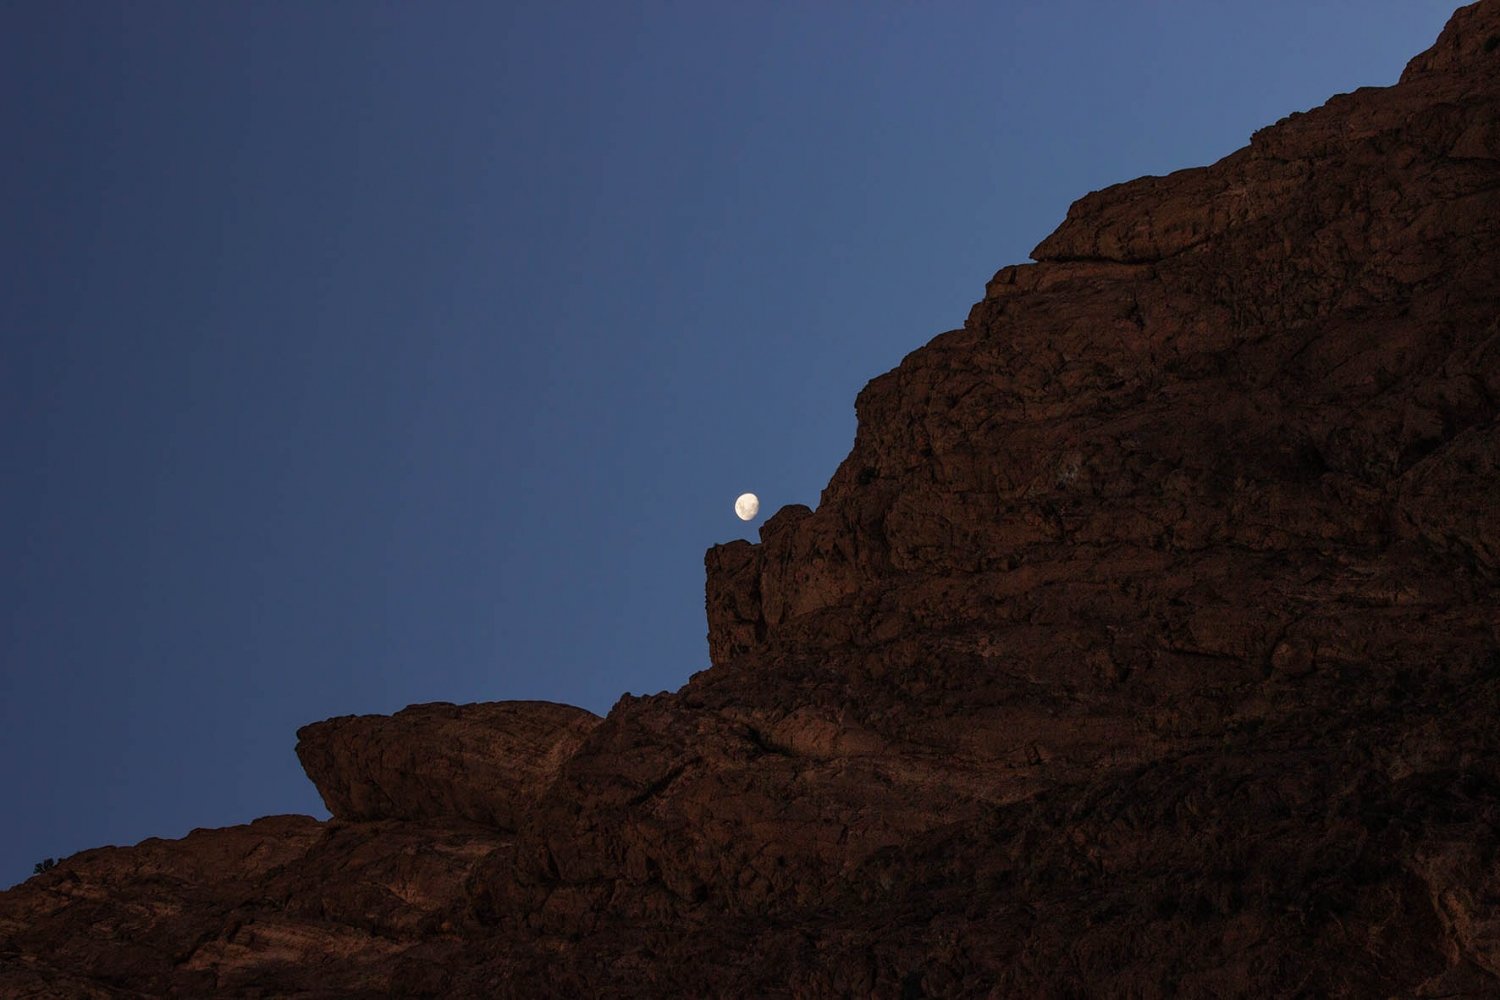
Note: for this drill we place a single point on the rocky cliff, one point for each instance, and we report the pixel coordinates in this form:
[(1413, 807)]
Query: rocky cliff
[(1146, 644)]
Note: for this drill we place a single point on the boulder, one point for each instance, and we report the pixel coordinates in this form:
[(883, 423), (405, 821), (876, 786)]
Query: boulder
[(486, 762)]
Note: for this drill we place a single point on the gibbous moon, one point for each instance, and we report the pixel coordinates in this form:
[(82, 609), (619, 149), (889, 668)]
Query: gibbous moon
[(747, 506)]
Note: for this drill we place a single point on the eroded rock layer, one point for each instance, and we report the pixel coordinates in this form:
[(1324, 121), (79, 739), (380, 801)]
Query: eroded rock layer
[(1146, 644), (487, 763)]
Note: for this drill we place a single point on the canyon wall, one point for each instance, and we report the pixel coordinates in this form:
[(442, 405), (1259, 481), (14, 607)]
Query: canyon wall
[(1147, 643)]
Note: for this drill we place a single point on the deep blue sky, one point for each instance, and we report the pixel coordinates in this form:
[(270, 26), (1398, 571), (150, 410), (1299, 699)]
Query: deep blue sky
[(361, 354)]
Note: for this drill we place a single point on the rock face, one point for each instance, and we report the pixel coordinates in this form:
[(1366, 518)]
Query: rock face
[(1146, 644), (487, 763)]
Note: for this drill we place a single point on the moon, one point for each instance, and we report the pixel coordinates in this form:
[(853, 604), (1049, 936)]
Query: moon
[(747, 506)]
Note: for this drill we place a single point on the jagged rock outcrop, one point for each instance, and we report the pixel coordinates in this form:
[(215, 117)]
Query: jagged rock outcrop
[(487, 763), (1146, 644), (285, 906)]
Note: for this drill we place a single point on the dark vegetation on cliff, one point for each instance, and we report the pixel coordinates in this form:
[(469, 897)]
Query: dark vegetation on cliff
[(1145, 644)]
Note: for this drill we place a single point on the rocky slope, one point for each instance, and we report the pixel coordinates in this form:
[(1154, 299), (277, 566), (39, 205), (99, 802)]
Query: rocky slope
[(1146, 644)]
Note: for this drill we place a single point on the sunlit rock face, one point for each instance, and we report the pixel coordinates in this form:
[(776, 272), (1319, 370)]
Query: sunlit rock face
[(1145, 644)]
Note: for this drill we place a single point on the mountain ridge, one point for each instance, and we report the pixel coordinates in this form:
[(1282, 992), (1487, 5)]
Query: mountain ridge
[(1144, 644)]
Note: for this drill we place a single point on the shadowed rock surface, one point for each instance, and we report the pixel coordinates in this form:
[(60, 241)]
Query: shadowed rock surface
[(486, 762), (1146, 644)]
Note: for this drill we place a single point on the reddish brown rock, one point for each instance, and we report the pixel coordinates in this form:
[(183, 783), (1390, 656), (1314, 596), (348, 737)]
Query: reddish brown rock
[(1146, 644), (285, 906), (487, 762)]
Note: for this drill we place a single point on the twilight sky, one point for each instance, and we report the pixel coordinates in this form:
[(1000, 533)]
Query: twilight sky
[(355, 354)]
